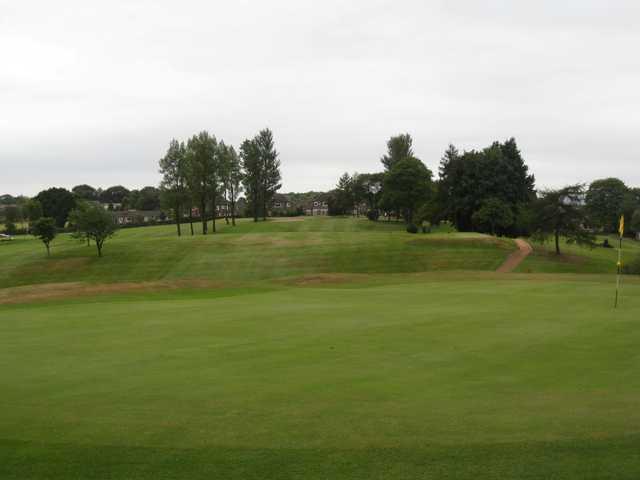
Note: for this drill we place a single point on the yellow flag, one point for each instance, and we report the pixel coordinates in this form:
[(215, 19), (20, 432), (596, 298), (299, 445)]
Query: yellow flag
[(621, 229)]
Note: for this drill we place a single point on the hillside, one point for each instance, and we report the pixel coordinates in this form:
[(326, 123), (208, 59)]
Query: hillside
[(250, 252)]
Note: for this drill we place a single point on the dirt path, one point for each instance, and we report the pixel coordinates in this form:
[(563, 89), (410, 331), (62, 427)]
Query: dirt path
[(516, 258)]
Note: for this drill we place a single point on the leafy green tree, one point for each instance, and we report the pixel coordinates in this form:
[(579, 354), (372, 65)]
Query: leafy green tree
[(32, 211), (270, 177), (85, 192), (605, 200), (407, 186), (200, 156), (12, 214), (494, 215), (94, 223), (399, 148), (561, 214), (56, 203), (251, 165), (45, 229), (634, 225), (173, 186), (115, 194), (231, 172)]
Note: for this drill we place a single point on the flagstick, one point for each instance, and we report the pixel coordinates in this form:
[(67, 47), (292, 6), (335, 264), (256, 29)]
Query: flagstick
[(619, 271)]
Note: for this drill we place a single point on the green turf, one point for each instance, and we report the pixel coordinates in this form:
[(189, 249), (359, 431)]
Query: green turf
[(249, 252), (531, 377)]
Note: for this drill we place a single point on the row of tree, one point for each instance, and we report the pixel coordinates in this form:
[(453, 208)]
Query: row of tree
[(489, 190), (203, 172)]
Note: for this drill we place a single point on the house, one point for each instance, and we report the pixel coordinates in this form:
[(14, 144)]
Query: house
[(319, 205), (281, 205), (138, 217)]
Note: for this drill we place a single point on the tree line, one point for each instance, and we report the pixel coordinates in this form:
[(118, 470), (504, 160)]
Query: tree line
[(202, 172), (489, 190)]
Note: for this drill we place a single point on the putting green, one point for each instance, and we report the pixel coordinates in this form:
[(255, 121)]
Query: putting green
[(528, 377)]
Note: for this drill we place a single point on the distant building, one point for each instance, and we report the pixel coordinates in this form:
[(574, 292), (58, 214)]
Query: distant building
[(319, 205), (138, 217)]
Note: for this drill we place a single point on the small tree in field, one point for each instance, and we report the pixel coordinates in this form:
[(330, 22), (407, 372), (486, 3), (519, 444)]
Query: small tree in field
[(45, 229), (96, 224)]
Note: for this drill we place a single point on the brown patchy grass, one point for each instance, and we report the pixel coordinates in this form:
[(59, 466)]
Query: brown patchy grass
[(68, 290)]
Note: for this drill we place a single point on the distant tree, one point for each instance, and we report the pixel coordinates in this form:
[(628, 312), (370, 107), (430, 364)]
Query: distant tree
[(95, 223), (115, 194), (148, 199), (12, 214), (494, 215), (270, 177), (56, 203), (561, 214), (45, 229), (605, 200), (231, 172), (173, 186), (251, 165), (634, 224), (85, 192), (341, 200), (399, 148), (32, 211), (407, 185), (200, 156)]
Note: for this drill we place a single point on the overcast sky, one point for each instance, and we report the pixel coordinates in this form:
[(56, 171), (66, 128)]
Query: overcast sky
[(92, 92)]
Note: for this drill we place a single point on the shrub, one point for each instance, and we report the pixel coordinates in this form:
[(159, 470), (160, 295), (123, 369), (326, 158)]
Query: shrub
[(373, 215), (10, 228), (411, 228), (426, 227), (446, 226), (632, 268)]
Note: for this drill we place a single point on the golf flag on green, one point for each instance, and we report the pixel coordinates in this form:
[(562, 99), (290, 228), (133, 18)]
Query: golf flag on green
[(621, 232)]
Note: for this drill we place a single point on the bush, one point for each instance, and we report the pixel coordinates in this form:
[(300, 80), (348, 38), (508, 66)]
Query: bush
[(606, 243), (445, 226), (426, 227), (411, 228), (10, 228), (632, 268), (373, 215)]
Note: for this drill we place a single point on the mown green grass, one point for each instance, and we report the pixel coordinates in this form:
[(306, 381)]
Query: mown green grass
[(529, 378), (249, 252)]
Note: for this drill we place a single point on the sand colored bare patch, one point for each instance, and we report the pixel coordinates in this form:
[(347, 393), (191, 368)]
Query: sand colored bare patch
[(325, 279), (67, 290), (517, 257), (287, 219)]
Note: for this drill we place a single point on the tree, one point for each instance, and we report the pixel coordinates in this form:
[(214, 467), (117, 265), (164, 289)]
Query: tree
[(494, 215), (115, 194), (57, 203), (85, 192), (231, 169), (200, 156), (407, 185), (399, 148), (94, 223), (635, 222), (45, 229), (270, 176), (252, 175), (341, 200), (32, 211), (560, 213), (469, 179), (605, 202), (173, 185)]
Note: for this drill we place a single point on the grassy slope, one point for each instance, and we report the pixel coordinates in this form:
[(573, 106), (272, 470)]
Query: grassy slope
[(523, 379), (250, 252), (577, 259)]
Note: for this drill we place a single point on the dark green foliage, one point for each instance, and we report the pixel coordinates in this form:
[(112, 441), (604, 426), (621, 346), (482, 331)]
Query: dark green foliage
[(373, 215), (406, 186), (468, 180), (399, 148), (494, 216), (605, 200), (632, 267), (231, 176), (115, 194), (250, 157), (262, 178), (634, 224), (173, 187), (560, 214), (57, 203), (94, 223), (412, 228), (85, 192), (10, 228), (201, 171), (45, 229)]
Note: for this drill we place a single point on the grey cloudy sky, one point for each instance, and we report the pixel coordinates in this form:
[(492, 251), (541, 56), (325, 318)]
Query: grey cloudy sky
[(92, 92)]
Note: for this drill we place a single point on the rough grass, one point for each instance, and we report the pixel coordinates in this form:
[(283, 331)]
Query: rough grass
[(436, 377)]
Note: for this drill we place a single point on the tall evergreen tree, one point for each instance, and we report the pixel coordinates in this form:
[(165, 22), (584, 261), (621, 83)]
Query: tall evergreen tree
[(270, 181), (231, 169), (250, 157), (398, 148), (200, 156)]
